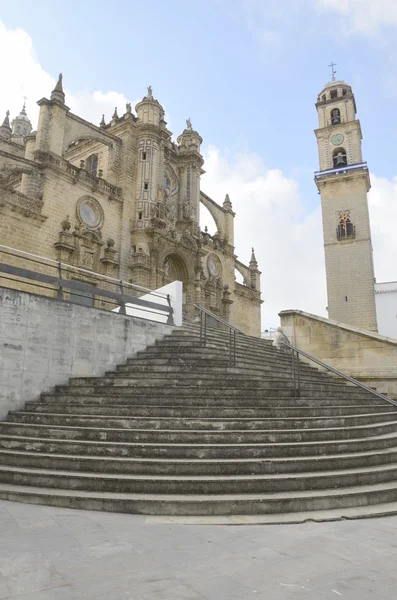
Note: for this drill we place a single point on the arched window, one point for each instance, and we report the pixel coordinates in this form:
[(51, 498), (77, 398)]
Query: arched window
[(346, 228), (18, 129), (91, 164), (25, 131), (339, 157), (335, 116), (167, 182)]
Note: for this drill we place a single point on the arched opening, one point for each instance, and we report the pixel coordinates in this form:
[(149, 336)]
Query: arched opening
[(239, 278), (174, 269), (335, 116), (339, 158), (91, 164), (207, 220)]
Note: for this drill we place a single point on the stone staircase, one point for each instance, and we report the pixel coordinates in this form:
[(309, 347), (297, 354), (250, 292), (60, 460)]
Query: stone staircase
[(177, 431)]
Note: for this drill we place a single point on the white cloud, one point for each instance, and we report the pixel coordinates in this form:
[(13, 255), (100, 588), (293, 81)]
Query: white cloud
[(22, 75), (270, 216), (362, 16)]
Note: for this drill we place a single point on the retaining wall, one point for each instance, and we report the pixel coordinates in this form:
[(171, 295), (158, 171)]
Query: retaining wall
[(43, 342)]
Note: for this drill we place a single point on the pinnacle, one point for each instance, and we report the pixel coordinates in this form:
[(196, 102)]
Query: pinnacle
[(58, 93), (6, 122), (253, 258)]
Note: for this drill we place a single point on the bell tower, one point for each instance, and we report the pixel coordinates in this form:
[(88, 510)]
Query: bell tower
[(343, 182)]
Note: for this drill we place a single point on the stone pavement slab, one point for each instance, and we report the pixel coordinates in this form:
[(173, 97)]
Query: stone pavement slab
[(49, 553)]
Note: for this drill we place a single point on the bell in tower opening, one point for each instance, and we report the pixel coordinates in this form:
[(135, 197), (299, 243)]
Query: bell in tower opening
[(335, 116), (340, 158)]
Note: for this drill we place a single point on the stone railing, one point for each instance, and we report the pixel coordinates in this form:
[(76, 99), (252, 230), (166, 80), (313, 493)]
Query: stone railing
[(20, 201), (47, 159)]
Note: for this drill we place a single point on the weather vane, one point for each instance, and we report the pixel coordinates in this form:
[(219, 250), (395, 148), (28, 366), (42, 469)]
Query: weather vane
[(332, 65)]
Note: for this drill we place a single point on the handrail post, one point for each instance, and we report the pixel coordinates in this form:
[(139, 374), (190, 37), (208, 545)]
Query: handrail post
[(205, 329), (60, 295), (170, 318), (293, 371), (201, 327), (230, 347), (234, 348), (122, 302), (299, 376)]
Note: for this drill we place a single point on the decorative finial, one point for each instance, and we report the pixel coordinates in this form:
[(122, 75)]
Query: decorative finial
[(253, 261), (57, 92), (333, 72), (149, 93), (189, 124), (23, 111), (115, 116), (226, 203), (102, 123)]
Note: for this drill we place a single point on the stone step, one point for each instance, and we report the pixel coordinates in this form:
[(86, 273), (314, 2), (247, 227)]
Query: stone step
[(199, 370), (182, 505), (196, 451), (199, 437), (253, 399), (142, 410), (214, 467), (208, 380), (203, 485), (184, 423), (190, 385)]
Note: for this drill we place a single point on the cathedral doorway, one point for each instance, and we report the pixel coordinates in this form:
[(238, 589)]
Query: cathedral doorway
[(174, 269)]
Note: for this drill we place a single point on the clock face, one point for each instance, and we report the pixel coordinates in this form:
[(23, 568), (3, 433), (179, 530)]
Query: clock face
[(214, 265), (337, 139)]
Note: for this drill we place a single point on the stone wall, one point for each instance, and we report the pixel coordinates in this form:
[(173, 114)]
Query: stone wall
[(369, 357), (43, 342)]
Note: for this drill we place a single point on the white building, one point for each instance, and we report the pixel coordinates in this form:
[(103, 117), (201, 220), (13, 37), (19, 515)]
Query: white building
[(386, 308)]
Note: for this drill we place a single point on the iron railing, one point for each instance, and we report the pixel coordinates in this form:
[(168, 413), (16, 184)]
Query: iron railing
[(81, 285), (296, 373), (205, 316)]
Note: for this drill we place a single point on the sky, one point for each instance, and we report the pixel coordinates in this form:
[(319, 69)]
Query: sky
[(247, 73)]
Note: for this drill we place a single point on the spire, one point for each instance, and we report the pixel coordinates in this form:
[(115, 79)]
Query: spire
[(6, 122), (253, 262), (57, 93), (115, 116), (102, 123), (5, 129), (227, 205)]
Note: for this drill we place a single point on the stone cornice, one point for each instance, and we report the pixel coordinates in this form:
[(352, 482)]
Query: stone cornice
[(26, 206)]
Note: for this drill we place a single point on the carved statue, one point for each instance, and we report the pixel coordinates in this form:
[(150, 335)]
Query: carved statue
[(128, 108), (189, 124), (149, 92), (186, 209)]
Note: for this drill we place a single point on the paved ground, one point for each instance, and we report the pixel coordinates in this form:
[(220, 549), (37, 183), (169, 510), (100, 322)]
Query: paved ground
[(58, 554)]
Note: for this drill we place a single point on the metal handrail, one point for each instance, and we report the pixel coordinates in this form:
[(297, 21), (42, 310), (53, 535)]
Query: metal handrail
[(204, 313), (296, 373), (65, 266), (82, 289)]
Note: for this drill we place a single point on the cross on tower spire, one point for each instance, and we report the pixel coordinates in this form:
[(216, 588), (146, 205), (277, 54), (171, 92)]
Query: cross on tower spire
[(332, 65)]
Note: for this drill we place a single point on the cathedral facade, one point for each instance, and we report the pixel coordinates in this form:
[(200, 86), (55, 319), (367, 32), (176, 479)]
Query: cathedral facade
[(122, 199)]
